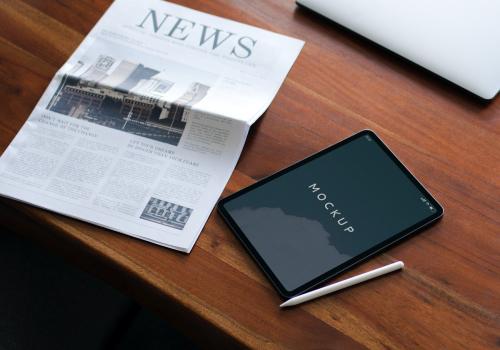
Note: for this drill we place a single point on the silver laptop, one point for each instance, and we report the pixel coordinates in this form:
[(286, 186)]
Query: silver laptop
[(456, 39)]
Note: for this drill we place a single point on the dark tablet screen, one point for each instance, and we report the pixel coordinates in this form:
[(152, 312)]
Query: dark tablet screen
[(320, 216)]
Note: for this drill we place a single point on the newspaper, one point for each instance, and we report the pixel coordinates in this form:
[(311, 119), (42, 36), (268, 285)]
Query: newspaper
[(141, 128)]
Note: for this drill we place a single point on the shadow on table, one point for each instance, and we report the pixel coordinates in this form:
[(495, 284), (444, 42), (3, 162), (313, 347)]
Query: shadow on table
[(48, 304)]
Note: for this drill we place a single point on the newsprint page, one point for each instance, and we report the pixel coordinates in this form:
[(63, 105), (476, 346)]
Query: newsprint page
[(141, 128)]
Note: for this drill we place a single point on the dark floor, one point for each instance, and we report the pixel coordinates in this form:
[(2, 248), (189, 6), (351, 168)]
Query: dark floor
[(46, 303)]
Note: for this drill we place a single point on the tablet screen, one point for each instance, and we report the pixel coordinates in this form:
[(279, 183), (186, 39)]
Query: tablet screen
[(329, 211)]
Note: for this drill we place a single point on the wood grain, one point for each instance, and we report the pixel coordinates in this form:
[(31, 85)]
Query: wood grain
[(447, 297)]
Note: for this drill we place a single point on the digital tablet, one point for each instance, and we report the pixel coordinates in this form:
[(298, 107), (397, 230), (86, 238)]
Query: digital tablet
[(322, 215)]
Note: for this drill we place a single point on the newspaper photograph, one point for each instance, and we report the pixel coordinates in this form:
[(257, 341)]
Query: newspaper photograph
[(140, 130)]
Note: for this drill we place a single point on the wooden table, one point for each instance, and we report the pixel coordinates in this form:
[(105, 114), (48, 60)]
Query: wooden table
[(448, 295)]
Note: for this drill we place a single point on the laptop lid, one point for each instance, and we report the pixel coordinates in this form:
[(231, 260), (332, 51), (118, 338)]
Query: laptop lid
[(456, 39)]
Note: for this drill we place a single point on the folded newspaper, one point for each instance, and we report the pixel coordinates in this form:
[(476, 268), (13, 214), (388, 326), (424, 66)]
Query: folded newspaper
[(141, 128)]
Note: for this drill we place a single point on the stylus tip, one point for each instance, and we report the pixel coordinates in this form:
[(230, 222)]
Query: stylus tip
[(287, 303)]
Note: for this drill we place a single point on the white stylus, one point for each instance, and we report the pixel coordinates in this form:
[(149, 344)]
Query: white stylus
[(343, 284)]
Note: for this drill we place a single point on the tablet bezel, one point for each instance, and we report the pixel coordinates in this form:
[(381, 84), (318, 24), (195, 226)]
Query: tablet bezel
[(354, 260)]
